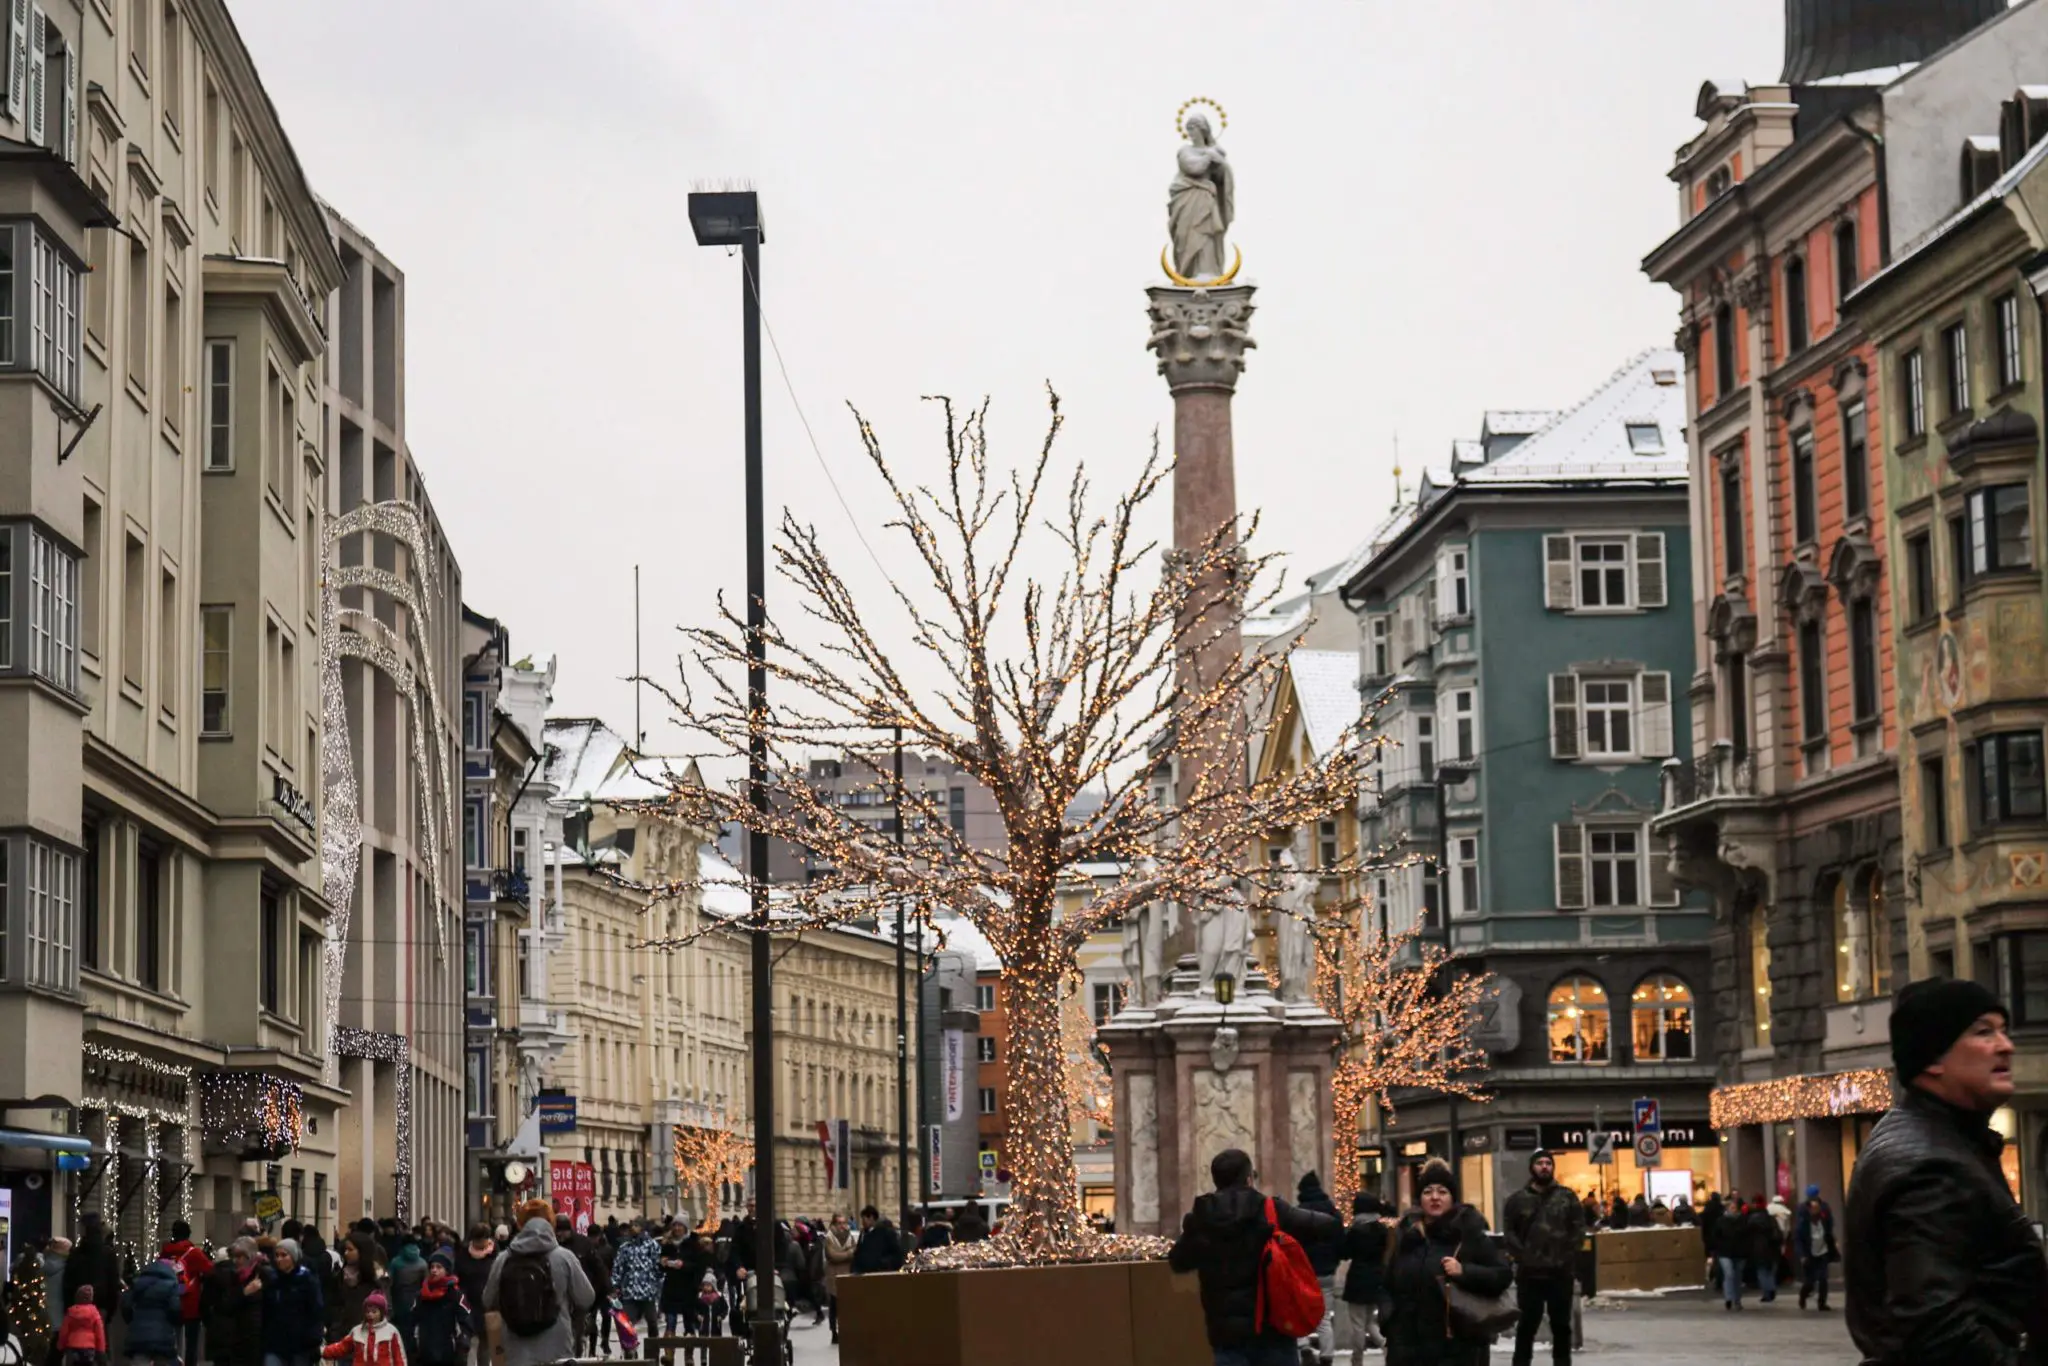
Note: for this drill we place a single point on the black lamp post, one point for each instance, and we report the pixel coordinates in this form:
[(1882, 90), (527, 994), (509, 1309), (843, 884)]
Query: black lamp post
[(902, 1025), (732, 218)]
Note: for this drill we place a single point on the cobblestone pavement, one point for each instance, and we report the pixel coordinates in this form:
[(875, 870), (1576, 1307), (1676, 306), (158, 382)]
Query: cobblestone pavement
[(1669, 1330)]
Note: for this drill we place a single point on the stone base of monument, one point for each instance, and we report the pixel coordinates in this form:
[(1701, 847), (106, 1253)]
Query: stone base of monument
[(1104, 1314), (1194, 1076)]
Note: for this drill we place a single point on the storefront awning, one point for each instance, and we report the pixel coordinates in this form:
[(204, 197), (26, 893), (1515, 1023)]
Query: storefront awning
[(55, 1143)]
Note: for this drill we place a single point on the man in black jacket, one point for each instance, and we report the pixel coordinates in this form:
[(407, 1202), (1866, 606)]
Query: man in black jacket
[(1221, 1239), (880, 1247), (1544, 1224), (1323, 1259), (1940, 1263), (1365, 1247)]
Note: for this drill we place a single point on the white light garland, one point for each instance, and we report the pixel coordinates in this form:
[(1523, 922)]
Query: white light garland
[(114, 1111), (395, 1049)]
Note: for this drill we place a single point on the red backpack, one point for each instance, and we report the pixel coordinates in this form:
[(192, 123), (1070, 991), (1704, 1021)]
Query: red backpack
[(1290, 1298)]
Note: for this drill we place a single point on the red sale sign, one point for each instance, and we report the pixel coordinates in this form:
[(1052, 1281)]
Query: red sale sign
[(573, 1188)]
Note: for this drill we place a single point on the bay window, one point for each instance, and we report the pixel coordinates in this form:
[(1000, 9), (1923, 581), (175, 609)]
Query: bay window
[(40, 303), (1998, 533), (2005, 778), (38, 605)]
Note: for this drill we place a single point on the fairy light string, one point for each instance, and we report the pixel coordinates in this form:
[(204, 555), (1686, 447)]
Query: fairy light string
[(1048, 689), (709, 1159)]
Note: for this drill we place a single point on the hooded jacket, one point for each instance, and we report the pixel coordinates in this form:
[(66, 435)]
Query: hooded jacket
[(1324, 1255), (572, 1292), (55, 1266), (636, 1271), (82, 1329), (369, 1346), (294, 1312), (194, 1266), (1365, 1247), (154, 1311), (1220, 1239), (234, 1320)]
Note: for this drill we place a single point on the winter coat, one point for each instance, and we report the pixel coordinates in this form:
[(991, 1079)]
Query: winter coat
[(971, 1226), (1221, 1239), (636, 1270), (408, 1272), (368, 1346), (1544, 1225), (572, 1292), (680, 1276), (82, 1329), (1802, 1236), (879, 1249), (938, 1233), (1940, 1263), (233, 1319), (1418, 1326), (1762, 1242), (1324, 1254), (194, 1265), (154, 1312), (1365, 1246), (345, 1307), (441, 1324), (93, 1263), (1726, 1236), (838, 1249), (294, 1311), (472, 1271), (55, 1266)]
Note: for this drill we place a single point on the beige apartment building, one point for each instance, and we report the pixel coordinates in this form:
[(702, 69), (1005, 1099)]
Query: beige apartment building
[(655, 1039), (163, 271), (400, 1035)]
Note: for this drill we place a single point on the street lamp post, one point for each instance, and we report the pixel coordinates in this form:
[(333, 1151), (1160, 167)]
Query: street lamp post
[(728, 218), (902, 1026)]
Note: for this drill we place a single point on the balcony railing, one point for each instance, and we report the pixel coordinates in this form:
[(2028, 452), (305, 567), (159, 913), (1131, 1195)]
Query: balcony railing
[(1713, 776)]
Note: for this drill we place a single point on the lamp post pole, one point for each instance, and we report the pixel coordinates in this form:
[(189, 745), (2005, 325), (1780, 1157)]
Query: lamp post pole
[(733, 218), (902, 1027)]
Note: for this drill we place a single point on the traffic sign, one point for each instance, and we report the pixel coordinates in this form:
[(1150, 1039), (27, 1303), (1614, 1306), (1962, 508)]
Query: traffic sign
[(1649, 1150), (1600, 1147), (1648, 1118)]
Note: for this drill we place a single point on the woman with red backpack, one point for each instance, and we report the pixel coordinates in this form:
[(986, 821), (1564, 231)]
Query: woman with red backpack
[(1443, 1243)]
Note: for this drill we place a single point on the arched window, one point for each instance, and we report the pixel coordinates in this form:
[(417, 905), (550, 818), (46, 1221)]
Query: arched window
[(1852, 946), (1660, 1019), (1578, 1021), (1880, 937)]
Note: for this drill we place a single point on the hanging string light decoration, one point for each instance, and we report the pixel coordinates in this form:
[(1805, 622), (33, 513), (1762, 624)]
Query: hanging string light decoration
[(357, 633), (104, 1070), (710, 1159), (1046, 690), (267, 1111), (396, 1050), (1408, 1019)]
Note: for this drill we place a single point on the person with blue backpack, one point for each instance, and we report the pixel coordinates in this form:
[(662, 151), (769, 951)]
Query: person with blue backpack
[(1257, 1284)]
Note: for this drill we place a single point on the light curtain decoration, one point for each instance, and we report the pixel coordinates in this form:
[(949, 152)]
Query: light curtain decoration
[(356, 633), (395, 1049), (1048, 689)]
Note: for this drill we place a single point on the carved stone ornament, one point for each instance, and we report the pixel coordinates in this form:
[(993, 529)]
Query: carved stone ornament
[(1850, 374), (1802, 591), (1854, 568), (1223, 1048), (1201, 335), (1686, 341), (1752, 290), (1795, 401), (1731, 624)]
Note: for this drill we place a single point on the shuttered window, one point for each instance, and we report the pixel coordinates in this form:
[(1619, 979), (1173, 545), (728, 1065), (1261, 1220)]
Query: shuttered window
[(1604, 573), (1564, 716), (1571, 867)]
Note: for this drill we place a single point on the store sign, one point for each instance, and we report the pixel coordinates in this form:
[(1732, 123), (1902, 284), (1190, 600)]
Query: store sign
[(572, 1186), (1419, 1148), (1682, 1135), (291, 801), (557, 1113), (955, 1074), (1522, 1140)]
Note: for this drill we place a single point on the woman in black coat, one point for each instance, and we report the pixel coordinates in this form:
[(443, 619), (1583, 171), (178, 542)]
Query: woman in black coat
[(231, 1310), (1444, 1240), (681, 1272)]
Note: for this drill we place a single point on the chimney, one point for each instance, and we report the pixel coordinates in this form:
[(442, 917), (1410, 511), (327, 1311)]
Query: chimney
[(1834, 37)]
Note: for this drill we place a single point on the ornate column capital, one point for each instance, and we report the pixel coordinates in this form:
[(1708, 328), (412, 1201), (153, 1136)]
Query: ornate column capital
[(1200, 335)]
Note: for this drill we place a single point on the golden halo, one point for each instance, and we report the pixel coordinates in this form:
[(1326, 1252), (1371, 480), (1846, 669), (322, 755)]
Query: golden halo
[(1237, 260), (1180, 116)]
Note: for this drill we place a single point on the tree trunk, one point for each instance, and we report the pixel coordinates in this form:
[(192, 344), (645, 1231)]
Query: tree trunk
[(1038, 1145)]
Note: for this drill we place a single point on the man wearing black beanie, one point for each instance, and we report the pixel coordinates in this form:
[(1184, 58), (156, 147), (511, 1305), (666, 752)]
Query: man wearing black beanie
[(1544, 1224), (1940, 1263)]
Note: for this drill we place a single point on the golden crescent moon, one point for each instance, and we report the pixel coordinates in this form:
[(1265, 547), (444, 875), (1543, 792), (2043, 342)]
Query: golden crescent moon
[(1237, 260)]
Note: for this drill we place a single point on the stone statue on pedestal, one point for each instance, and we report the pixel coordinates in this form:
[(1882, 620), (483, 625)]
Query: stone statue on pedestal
[(1294, 915), (1200, 203), (1222, 934), (1144, 948)]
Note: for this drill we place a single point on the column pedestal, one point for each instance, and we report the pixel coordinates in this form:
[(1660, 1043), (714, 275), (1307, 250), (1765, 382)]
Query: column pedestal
[(1193, 1077)]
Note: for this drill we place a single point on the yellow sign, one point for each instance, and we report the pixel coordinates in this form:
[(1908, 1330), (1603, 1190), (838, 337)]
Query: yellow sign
[(268, 1206)]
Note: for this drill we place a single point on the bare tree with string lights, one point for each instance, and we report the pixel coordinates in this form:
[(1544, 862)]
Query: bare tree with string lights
[(709, 1159), (1408, 1015), (1045, 689)]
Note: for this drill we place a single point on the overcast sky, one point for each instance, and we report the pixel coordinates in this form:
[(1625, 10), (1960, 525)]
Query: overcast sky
[(1443, 205)]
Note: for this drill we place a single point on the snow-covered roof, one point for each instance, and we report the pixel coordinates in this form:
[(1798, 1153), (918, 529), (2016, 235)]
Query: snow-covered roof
[(588, 761), (2002, 187), (961, 935), (1326, 689), (1876, 75), (1466, 451), (1516, 421), (1593, 441), (725, 893)]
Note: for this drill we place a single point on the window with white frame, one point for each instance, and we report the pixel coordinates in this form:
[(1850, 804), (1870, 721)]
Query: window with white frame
[(984, 1048), (40, 290), (1603, 572), (519, 848), (1464, 855), (1326, 844), (1603, 863), (220, 405), (1610, 717), (988, 1100), (49, 918), (1105, 1000), (1425, 748), (1379, 646), (216, 645), (1461, 724), (472, 720), (1609, 706), (52, 608), (478, 1084), (984, 996), (7, 615), (1453, 583)]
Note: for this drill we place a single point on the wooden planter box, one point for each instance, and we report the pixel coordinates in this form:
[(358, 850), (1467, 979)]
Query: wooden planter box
[(1113, 1314), (1649, 1259)]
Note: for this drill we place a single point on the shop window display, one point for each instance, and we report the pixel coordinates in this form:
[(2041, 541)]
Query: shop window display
[(1661, 1020), (1578, 1022)]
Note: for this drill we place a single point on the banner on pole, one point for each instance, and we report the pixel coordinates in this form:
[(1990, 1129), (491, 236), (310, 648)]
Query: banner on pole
[(955, 1074), (934, 1158)]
